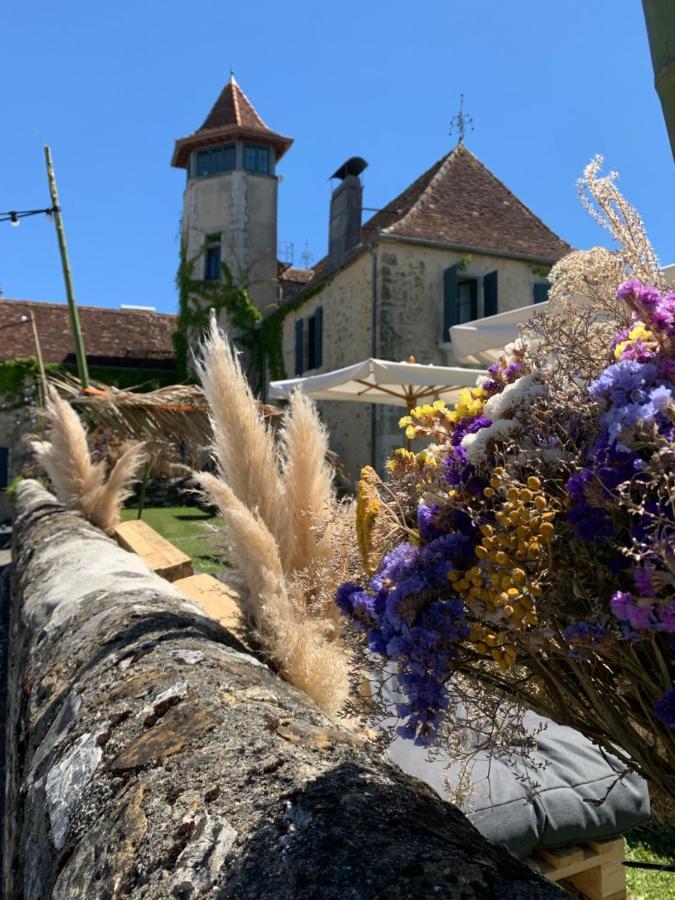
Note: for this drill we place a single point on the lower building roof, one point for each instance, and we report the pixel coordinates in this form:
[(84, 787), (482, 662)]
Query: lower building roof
[(114, 337)]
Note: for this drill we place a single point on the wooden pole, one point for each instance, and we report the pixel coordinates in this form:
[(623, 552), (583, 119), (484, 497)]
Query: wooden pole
[(660, 21), (41, 365), (67, 275)]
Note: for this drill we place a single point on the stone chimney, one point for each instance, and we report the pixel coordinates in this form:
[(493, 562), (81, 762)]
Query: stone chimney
[(344, 227)]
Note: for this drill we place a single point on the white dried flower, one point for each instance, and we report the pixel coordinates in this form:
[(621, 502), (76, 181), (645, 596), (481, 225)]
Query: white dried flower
[(522, 391), (476, 445)]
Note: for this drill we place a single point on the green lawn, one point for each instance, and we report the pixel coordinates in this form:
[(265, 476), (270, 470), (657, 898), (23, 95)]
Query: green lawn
[(651, 844), (188, 528)]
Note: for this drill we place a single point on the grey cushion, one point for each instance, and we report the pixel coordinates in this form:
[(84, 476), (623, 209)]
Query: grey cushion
[(502, 806)]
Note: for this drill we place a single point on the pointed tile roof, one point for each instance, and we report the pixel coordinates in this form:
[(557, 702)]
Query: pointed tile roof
[(459, 202), (232, 116), (233, 108)]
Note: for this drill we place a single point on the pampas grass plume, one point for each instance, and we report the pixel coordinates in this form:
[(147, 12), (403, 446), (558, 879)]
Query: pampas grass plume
[(79, 483), (295, 643)]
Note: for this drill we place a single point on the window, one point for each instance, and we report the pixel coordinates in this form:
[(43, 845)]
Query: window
[(215, 159), (257, 159), (540, 291), (4, 467), (461, 298), (467, 300), (212, 258), (309, 342)]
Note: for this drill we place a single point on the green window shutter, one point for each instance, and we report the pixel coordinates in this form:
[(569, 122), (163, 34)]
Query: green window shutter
[(449, 301), (298, 347), (540, 291), (318, 337), (490, 301), (4, 467)]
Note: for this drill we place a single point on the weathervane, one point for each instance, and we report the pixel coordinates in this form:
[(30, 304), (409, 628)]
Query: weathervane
[(461, 121)]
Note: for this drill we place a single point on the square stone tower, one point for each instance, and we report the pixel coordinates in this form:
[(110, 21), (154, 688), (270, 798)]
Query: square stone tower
[(230, 199)]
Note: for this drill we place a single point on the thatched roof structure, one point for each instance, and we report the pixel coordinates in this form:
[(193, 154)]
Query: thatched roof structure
[(177, 413)]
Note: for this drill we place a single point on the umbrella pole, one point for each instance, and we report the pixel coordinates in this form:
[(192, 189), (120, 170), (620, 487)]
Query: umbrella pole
[(411, 401)]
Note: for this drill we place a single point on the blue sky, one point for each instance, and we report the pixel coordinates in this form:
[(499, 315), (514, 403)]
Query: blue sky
[(110, 86)]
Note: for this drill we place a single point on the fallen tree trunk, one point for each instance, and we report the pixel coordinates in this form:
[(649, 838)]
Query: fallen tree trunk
[(150, 756)]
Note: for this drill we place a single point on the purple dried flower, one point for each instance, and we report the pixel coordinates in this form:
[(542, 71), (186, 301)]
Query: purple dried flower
[(620, 603), (643, 582), (665, 709), (628, 290)]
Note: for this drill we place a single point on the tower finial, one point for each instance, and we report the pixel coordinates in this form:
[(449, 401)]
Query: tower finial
[(461, 121), (231, 73)]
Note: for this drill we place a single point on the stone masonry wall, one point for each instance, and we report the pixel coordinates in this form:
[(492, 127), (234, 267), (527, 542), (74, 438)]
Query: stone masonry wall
[(409, 321), (346, 303), (150, 757)]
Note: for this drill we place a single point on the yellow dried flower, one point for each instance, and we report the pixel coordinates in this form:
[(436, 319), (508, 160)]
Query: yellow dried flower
[(367, 509)]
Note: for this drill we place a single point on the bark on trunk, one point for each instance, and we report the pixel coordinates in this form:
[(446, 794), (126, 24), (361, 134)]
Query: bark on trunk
[(150, 756)]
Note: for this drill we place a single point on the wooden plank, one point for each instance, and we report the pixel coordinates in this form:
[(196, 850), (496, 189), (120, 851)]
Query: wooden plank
[(599, 874), (217, 601), (614, 848), (160, 555), (602, 882), (561, 857)]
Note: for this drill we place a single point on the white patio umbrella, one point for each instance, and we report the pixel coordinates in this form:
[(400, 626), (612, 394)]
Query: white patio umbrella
[(381, 381), (482, 341)]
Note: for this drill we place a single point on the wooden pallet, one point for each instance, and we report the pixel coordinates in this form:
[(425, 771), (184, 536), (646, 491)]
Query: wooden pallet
[(593, 869), (216, 599), (161, 555)]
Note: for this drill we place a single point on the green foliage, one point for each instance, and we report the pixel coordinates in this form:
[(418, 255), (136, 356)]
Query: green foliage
[(464, 262), (270, 345), (652, 844), (197, 297), (18, 379), (261, 337), (12, 486), (16, 481), (132, 377), (540, 271)]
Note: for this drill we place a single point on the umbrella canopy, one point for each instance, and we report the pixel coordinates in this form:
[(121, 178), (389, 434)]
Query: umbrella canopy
[(482, 341), (381, 381)]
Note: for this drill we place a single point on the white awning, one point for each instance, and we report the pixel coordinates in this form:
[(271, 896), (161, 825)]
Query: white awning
[(382, 381), (481, 342)]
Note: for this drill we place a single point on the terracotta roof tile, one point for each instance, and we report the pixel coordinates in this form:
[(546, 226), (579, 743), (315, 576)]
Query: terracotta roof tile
[(292, 273), (111, 336), (233, 108), (458, 201), (232, 116)]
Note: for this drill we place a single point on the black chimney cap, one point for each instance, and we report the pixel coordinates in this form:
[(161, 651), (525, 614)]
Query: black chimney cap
[(354, 166)]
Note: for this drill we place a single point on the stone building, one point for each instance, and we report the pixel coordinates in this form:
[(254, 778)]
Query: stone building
[(456, 245), (230, 199)]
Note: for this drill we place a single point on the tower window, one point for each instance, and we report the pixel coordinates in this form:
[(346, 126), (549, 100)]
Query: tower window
[(215, 159), (257, 159), (212, 258)]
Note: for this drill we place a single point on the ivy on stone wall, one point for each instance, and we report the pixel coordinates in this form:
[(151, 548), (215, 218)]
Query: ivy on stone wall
[(272, 333), (197, 297), (261, 337)]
